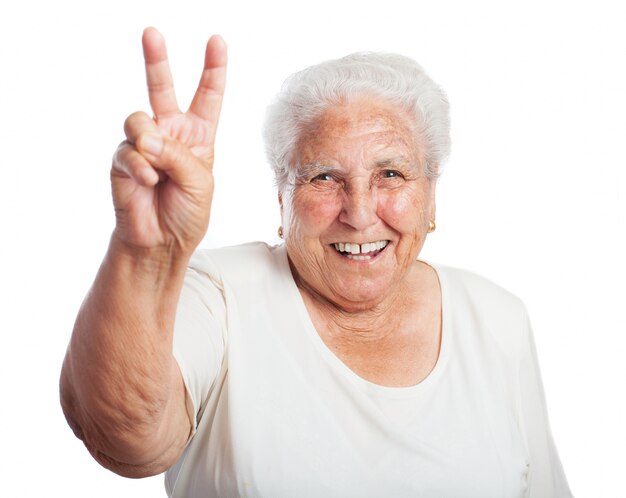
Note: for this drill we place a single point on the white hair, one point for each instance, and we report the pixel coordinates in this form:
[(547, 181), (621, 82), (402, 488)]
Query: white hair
[(394, 78)]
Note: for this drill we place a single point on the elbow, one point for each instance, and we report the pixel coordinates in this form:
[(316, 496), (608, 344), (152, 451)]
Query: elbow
[(128, 433), (132, 454), (129, 470), (134, 451)]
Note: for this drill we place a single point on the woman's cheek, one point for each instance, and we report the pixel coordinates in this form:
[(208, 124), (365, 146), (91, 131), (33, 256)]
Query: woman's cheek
[(400, 209), (316, 212)]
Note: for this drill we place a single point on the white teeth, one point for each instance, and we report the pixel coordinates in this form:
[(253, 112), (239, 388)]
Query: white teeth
[(354, 249)]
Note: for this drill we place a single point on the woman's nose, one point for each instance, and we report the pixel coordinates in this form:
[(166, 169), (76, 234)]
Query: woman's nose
[(359, 209)]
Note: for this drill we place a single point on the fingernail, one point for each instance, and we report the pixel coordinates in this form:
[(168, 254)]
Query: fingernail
[(152, 144)]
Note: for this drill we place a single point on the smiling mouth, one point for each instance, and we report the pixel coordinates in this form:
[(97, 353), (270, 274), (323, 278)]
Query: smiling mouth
[(360, 252)]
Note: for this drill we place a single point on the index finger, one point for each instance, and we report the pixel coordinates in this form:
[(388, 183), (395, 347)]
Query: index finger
[(207, 101), (158, 74)]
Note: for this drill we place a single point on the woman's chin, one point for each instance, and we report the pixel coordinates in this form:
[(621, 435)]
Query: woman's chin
[(358, 284), (359, 293)]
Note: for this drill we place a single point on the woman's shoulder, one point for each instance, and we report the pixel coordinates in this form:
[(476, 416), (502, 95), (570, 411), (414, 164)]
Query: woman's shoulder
[(244, 262), (496, 312), (475, 287)]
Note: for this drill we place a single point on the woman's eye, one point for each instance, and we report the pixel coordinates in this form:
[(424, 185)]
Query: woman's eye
[(322, 177), (325, 182), (390, 173)]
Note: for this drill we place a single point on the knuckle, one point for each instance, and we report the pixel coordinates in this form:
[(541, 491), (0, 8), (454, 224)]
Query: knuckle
[(121, 152), (128, 160), (115, 160), (135, 123)]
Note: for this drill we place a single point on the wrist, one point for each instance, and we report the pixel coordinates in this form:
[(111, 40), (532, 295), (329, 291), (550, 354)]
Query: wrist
[(163, 262)]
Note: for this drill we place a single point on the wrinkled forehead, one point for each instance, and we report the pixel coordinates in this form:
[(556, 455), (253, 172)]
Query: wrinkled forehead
[(368, 130)]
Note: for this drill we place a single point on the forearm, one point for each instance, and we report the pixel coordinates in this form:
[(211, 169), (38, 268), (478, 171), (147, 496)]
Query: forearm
[(120, 385)]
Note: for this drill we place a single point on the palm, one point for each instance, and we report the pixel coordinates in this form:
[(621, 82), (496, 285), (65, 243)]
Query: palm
[(176, 209)]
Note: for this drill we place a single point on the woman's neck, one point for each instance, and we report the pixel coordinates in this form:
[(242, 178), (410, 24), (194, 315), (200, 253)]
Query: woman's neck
[(371, 322)]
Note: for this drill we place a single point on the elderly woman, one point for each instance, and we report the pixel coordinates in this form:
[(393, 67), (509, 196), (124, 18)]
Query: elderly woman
[(335, 364)]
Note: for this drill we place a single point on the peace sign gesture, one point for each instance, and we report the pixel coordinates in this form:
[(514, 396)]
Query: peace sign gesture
[(161, 176)]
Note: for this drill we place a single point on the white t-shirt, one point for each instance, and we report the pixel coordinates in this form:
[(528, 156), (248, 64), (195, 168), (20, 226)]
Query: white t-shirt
[(277, 414)]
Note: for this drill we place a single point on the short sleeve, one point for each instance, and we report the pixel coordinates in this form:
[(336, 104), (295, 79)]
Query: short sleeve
[(547, 478), (199, 339)]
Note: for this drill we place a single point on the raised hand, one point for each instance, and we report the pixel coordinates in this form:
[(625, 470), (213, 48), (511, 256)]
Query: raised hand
[(161, 176)]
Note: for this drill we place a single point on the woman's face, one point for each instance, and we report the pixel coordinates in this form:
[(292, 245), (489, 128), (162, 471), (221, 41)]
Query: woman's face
[(357, 214)]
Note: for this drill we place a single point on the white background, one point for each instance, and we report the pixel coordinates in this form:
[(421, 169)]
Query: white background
[(533, 196)]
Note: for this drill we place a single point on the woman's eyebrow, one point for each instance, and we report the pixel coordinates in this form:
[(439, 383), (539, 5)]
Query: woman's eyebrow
[(395, 162)]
